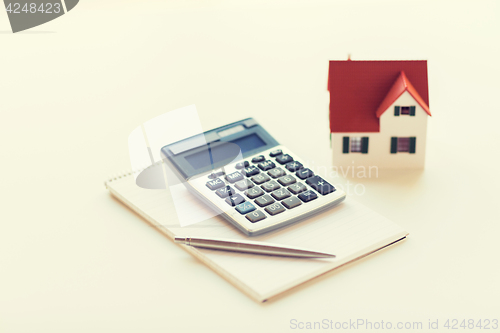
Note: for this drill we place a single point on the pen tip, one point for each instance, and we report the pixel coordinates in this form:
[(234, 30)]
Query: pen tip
[(178, 239)]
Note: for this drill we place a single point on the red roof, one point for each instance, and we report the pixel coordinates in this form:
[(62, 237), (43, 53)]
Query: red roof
[(360, 89)]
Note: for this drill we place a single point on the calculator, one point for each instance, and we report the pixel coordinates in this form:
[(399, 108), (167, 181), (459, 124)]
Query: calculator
[(247, 177)]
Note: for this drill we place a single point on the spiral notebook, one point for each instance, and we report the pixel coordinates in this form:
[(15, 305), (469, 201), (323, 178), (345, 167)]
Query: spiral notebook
[(349, 230)]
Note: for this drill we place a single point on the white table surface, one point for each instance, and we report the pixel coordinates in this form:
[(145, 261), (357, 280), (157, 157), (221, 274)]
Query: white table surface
[(73, 259)]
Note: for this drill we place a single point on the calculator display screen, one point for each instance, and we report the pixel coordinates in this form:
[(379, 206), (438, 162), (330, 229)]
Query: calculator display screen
[(222, 154)]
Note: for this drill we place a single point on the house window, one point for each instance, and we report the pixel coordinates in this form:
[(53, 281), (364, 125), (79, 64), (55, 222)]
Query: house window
[(403, 145), (356, 145), (404, 110)]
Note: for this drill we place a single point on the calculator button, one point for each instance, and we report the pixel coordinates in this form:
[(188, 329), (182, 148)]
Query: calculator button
[(294, 166), (307, 196), (225, 191), (291, 202), (277, 172), (304, 173), (281, 194), (245, 207), (284, 159), (259, 179), (215, 184), (297, 188), (264, 200), (276, 152), (234, 177), (216, 174), (287, 180), (235, 200), (258, 159), (242, 165), (254, 192), (250, 171), (270, 186), (256, 216), (275, 208), (267, 165), (243, 184), (320, 185)]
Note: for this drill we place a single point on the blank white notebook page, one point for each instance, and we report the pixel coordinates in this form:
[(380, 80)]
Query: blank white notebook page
[(349, 230)]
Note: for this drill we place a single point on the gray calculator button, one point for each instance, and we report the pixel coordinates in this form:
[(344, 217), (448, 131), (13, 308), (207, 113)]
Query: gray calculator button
[(287, 180), (277, 172), (276, 152), (291, 202), (242, 165), (264, 200), (281, 194), (254, 192), (225, 191), (270, 186), (235, 200), (234, 177), (258, 159), (275, 208), (259, 179), (214, 175), (294, 166), (255, 216), (244, 184), (215, 184), (297, 188)]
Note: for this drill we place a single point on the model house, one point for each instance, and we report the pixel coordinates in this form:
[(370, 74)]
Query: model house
[(378, 113)]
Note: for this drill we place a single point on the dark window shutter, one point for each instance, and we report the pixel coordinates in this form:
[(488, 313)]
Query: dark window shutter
[(364, 145), (412, 110), (396, 110), (394, 145), (413, 143), (345, 147)]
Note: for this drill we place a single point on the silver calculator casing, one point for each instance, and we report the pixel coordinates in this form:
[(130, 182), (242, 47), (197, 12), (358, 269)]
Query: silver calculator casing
[(197, 185)]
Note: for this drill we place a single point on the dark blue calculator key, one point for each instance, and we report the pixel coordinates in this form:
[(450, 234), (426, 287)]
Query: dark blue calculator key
[(234, 177), (245, 207), (267, 165), (320, 185), (242, 165), (307, 196), (258, 159), (304, 173), (225, 191), (215, 184), (294, 166), (235, 200), (276, 152), (256, 216), (284, 159), (250, 171), (214, 175)]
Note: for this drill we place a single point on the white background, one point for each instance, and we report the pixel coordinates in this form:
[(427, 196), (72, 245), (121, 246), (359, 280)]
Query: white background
[(73, 259)]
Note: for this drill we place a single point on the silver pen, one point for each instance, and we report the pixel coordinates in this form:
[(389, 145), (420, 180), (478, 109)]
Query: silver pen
[(251, 247)]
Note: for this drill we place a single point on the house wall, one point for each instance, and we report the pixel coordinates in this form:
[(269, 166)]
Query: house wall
[(379, 147)]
